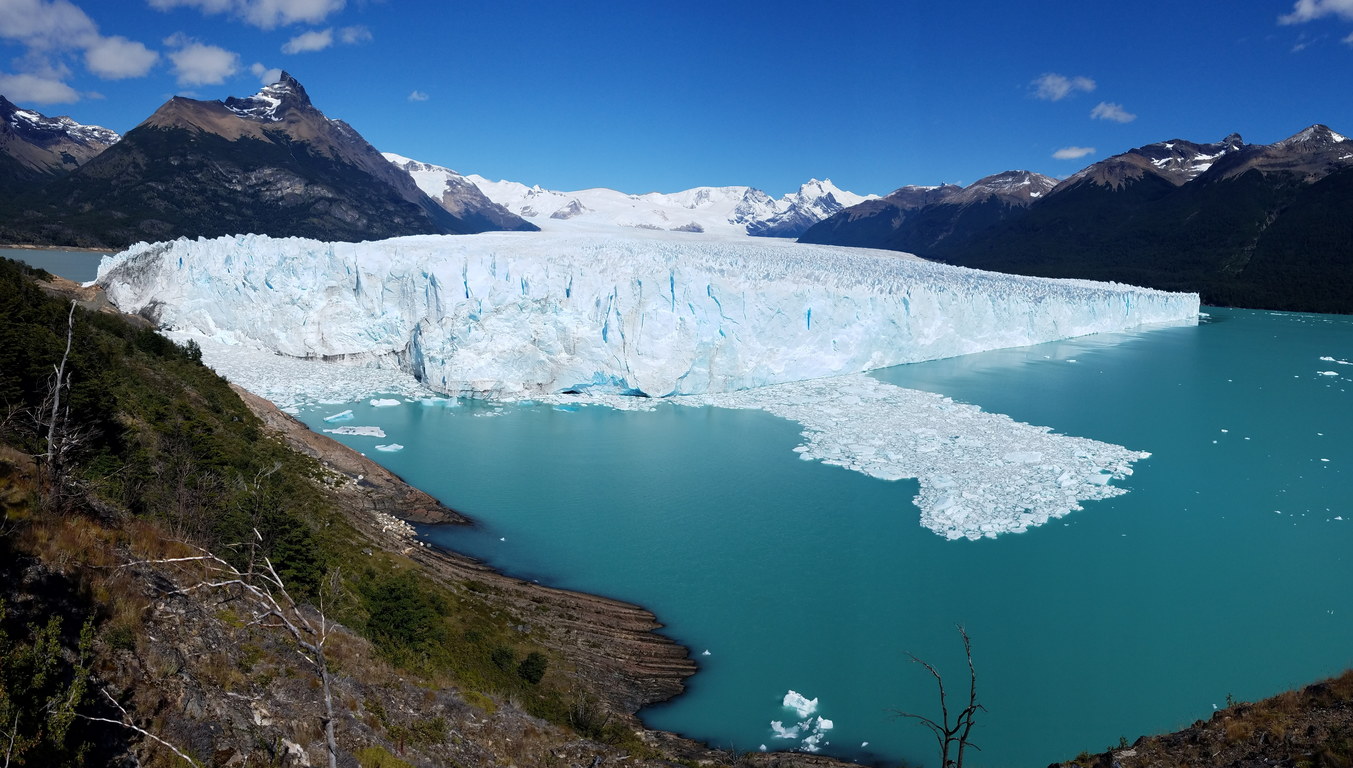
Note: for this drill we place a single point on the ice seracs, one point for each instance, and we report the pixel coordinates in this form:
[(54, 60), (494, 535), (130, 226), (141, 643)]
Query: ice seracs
[(515, 315)]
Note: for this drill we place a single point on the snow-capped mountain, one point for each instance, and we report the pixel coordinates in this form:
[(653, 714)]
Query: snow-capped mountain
[(795, 213), (458, 195), (719, 210), (1176, 161), (48, 145), (271, 163)]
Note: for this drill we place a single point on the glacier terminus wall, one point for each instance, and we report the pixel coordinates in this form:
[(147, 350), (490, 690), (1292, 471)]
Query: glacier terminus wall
[(514, 315)]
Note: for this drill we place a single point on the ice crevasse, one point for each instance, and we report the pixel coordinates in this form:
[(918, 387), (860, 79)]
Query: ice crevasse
[(509, 315)]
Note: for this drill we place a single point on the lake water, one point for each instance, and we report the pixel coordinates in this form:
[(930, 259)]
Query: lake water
[(80, 266), (1222, 571)]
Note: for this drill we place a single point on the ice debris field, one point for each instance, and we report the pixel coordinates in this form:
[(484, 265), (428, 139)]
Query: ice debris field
[(571, 318)]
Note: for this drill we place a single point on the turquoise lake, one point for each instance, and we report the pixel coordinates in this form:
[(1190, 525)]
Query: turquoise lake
[(80, 266), (1223, 571)]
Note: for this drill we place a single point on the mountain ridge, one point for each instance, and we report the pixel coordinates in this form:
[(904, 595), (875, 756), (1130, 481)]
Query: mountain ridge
[(1260, 226), (271, 163)]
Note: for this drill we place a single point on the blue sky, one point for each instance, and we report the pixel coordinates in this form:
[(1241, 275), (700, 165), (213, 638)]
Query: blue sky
[(665, 96)]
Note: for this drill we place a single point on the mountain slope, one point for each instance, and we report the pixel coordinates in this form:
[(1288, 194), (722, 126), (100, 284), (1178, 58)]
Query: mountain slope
[(1248, 225), (923, 219), (269, 164), (34, 147), (1260, 226), (459, 196)]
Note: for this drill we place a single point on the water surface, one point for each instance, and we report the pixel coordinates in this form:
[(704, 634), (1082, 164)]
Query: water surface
[(80, 266), (1221, 572)]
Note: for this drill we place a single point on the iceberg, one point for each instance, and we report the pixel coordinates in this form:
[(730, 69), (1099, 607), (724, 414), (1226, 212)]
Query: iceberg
[(800, 703), (517, 315)]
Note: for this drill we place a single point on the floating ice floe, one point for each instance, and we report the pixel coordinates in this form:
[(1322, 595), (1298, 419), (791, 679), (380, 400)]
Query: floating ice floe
[(980, 473), (391, 448), (340, 416), (1327, 373), (810, 731), (800, 703), (384, 402), (1328, 359), (358, 431)]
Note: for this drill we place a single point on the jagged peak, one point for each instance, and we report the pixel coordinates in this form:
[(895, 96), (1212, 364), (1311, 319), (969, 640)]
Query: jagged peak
[(30, 121), (272, 102), (1315, 137)]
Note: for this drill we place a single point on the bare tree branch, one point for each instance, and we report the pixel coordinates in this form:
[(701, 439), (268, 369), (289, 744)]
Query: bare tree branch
[(956, 734), (273, 607), (126, 722)]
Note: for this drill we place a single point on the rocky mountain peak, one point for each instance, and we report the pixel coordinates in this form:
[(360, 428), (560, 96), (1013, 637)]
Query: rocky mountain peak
[(1314, 138), (273, 102), (48, 145)]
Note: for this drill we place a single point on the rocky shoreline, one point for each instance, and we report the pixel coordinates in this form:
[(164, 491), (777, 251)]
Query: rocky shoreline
[(615, 646)]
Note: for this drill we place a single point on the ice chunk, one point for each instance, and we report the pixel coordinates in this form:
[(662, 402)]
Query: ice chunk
[(781, 732), (358, 431), (383, 402), (800, 703), (391, 448), (340, 416)]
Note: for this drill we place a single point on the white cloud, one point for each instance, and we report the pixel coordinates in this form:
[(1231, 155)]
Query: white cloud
[(314, 40), (418, 96), (264, 14), (1308, 10), (53, 33), (1051, 86), (46, 25), (34, 89), (1071, 153), (201, 64), (116, 58), (1348, 40), (354, 35), (1108, 111), (265, 75)]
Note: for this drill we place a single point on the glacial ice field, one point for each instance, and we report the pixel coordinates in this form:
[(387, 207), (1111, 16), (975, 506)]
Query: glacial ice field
[(690, 320), (506, 315)]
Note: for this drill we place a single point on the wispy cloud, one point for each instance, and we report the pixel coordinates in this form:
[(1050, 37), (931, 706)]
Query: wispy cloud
[(1071, 153), (418, 96), (266, 75), (197, 63), (1051, 86), (354, 35), (264, 14), (1105, 110), (1309, 10), (314, 40)]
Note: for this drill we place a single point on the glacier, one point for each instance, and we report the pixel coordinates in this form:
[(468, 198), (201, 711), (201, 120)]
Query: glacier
[(519, 315), (569, 320)]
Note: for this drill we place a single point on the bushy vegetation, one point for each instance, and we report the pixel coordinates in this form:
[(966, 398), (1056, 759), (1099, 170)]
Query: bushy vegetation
[(168, 452)]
